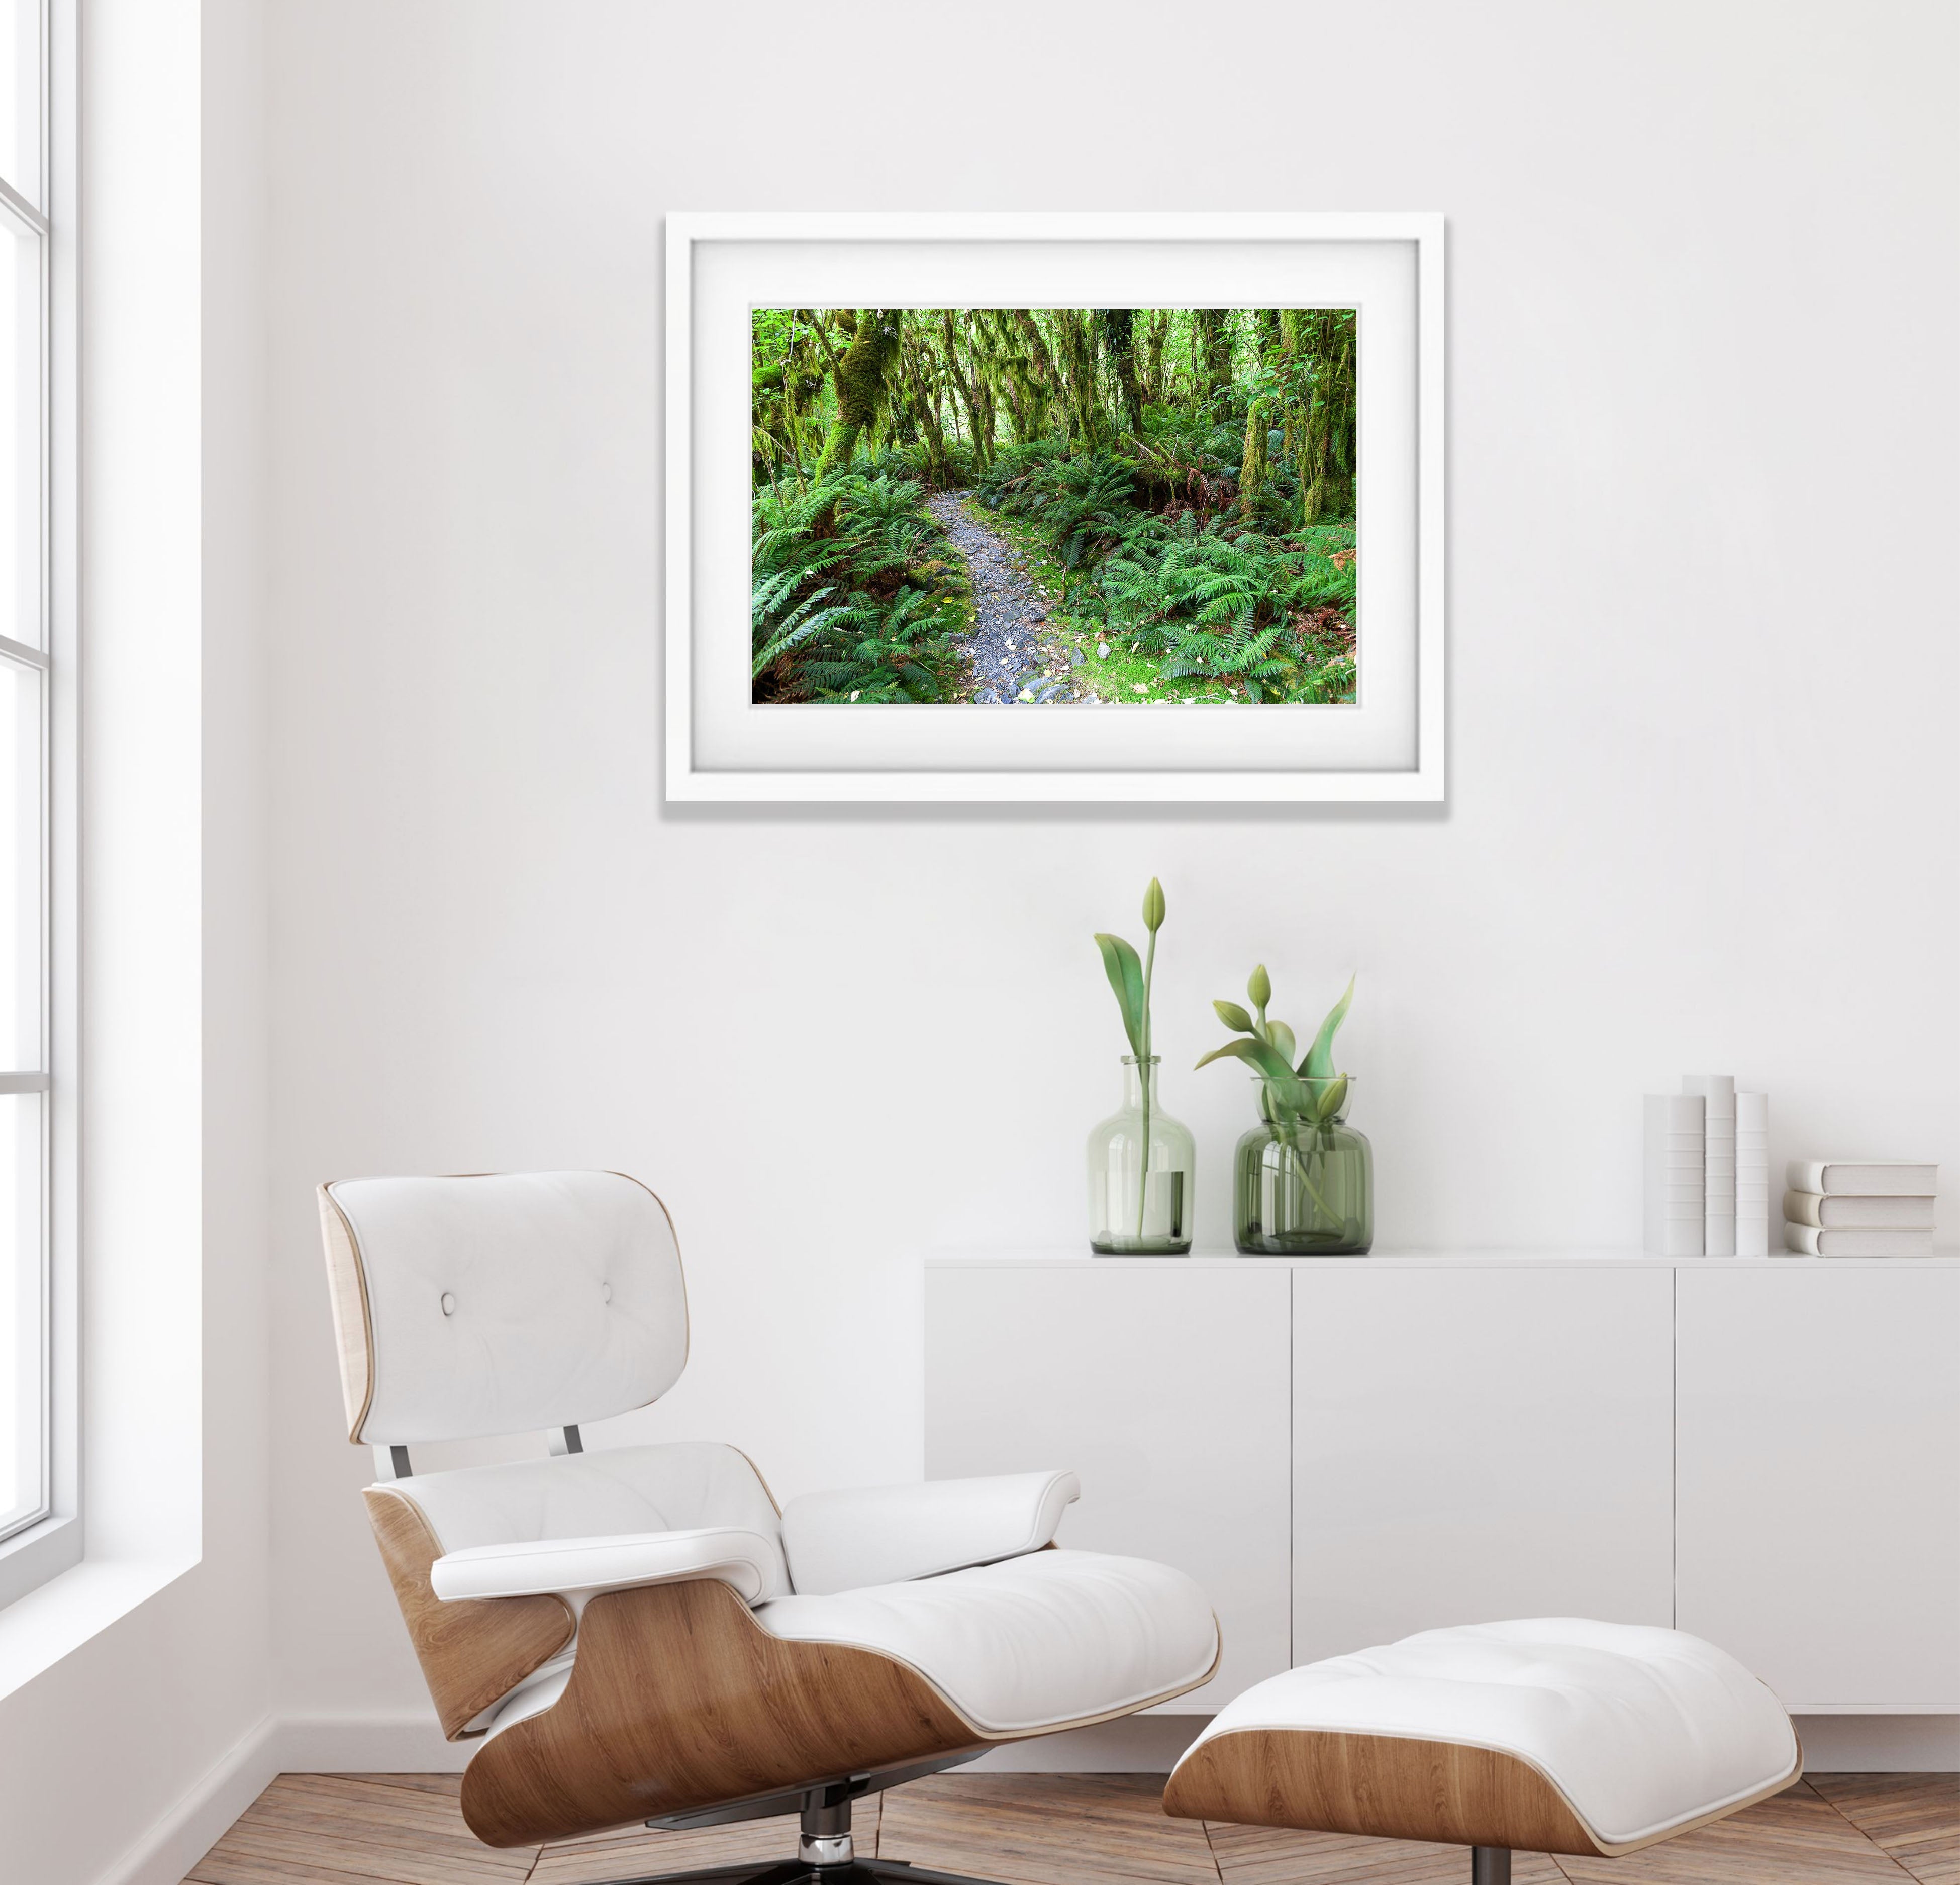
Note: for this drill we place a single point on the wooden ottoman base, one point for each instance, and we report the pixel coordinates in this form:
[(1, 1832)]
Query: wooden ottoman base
[(1556, 1736)]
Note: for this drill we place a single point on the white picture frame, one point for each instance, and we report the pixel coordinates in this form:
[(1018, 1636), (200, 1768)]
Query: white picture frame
[(1388, 745)]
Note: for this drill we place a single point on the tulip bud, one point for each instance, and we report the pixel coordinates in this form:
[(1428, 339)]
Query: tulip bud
[(1233, 1016), (1153, 907), (1260, 987)]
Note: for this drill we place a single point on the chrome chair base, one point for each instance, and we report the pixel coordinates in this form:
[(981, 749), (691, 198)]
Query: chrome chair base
[(852, 1872), (824, 1853)]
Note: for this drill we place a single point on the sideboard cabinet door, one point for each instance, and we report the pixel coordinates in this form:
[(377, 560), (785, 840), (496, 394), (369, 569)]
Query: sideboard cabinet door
[(1165, 1385), (1819, 1506), (1479, 1442)]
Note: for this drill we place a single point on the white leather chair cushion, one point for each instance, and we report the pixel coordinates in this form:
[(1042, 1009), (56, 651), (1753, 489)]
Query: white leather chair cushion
[(625, 1492), (1642, 1729), (545, 1567), (513, 1302), (1038, 1642), (885, 1534)]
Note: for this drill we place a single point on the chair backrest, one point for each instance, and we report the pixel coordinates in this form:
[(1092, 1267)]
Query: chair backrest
[(500, 1303)]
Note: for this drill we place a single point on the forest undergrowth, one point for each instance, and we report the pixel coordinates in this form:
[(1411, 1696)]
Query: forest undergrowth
[(1181, 481)]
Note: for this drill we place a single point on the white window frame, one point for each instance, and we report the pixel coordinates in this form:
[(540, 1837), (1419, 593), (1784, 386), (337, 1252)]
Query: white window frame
[(40, 1548)]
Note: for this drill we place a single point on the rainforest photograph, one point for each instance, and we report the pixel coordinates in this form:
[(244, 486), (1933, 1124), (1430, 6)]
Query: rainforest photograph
[(1054, 506)]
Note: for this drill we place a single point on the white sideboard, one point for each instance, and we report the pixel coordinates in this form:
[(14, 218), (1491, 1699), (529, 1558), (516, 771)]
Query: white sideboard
[(1341, 1451)]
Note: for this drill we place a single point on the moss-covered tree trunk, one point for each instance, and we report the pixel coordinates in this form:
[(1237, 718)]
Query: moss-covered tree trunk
[(1214, 343), (1075, 361), (1119, 337), (859, 383), (1324, 448), (922, 382), (1001, 366), (1252, 468), (969, 385), (1157, 331), (1042, 382)]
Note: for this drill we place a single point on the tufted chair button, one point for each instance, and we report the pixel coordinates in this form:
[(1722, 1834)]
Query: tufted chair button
[(605, 1292), (448, 1303)]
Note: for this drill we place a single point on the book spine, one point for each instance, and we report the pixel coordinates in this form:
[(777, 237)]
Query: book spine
[(1802, 1207), (1877, 1240), (1674, 1191), (1752, 1174), (1804, 1174), (1717, 1092)]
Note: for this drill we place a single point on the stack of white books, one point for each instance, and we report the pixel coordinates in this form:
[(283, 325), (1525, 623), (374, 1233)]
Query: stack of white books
[(1718, 1165), (1707, 1170), (1752, 1174), (1676, 1191), (1873, 1207)]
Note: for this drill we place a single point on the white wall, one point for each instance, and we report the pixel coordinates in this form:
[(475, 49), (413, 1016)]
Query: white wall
[(1703, 671)]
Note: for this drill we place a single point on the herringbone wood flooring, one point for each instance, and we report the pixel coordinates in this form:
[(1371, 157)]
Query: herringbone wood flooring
[(1073, 1830)]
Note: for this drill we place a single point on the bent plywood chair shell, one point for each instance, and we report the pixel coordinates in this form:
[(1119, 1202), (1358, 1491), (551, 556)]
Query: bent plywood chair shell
[(1394, 1787), (680, 1700)]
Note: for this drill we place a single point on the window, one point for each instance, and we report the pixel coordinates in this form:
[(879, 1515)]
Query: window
[(29, 1478)]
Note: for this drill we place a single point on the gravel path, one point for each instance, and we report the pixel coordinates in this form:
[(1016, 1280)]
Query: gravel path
[(1010, 654)]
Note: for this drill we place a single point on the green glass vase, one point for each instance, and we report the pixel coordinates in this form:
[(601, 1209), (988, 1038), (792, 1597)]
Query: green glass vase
[(1303, 1189), (1139, 1205)]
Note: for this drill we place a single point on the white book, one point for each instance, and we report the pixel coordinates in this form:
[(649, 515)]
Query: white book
[(1675, 1206), (1868, 1177), (1810, 1240), (1844, 1212), (1717, 1095), (1752, 1174)]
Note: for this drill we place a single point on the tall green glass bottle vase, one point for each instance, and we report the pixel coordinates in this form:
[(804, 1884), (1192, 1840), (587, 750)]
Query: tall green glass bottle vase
[(1141, 1164)]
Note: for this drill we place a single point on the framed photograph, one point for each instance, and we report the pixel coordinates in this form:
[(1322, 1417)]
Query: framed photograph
[(1054, 506)]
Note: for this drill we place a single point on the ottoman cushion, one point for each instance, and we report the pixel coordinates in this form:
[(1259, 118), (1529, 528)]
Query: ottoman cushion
[(1553, 1734)]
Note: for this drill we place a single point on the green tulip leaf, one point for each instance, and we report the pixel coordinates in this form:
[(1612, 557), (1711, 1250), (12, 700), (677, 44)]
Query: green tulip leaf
[(1255, 1054), (1284, 1043), (1318, 1063), (1124, 969), (1233, 1016), (1270, 1063), (1153, 907)]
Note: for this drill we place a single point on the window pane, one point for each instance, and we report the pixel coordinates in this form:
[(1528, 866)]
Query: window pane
[(20, 96), (20, 534), (21, 872), (23, 1342)]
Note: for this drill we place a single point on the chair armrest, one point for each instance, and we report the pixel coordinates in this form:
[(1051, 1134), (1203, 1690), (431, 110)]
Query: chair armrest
[(891, 1534), (564, 1567)]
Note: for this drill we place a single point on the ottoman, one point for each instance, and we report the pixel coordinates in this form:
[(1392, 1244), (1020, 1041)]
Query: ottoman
[(1549, 1735)]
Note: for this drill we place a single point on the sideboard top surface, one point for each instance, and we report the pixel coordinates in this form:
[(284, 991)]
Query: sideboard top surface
[(1427, 1259)]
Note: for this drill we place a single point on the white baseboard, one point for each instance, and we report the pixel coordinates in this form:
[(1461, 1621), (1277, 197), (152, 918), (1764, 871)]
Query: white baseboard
[(407, 1743), (199, 1819), (410, 1742), (1880, 1743), (1138, 1744)]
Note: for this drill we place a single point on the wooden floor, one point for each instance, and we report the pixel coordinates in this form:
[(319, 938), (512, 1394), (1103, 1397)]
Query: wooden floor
[(1072, 1829)]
